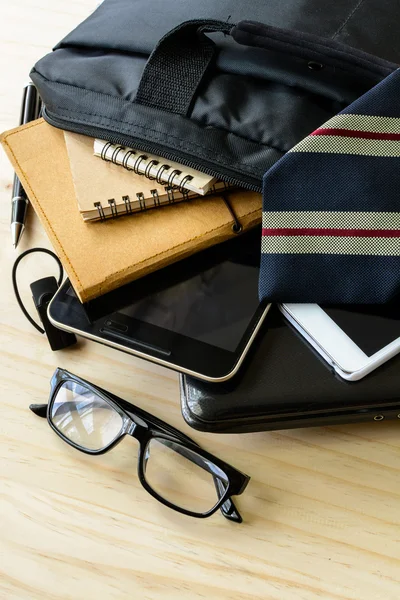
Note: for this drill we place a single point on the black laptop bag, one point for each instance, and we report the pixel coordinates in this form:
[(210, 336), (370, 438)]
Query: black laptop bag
[(226, 87)]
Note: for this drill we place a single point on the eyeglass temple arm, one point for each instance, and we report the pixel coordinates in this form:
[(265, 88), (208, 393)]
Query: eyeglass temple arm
[(39, 409)]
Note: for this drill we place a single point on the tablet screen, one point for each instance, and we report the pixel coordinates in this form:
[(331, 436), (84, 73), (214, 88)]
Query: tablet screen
[(215, 306), (199, 315)]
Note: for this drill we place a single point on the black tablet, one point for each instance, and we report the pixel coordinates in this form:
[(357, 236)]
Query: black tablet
[(198, 316)]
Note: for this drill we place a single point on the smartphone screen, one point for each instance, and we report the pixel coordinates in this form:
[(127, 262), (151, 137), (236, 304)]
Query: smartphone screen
[(214, 307), (371, 327)]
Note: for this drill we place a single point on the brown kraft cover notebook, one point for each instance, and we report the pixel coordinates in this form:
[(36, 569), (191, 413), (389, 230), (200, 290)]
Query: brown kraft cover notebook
[(102, 256), (97, 181)]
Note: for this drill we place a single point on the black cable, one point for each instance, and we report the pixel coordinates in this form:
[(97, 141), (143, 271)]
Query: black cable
[(15, 286), (237, 226)]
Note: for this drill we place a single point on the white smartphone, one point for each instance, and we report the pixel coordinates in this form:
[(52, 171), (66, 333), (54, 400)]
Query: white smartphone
[(355, 340)]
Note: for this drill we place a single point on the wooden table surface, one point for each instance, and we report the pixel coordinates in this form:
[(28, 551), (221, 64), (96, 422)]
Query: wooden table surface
[(322, 510)]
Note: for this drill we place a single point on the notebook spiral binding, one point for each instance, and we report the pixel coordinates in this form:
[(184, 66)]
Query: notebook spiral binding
[(147, 169), (172, 197), (172, 191)]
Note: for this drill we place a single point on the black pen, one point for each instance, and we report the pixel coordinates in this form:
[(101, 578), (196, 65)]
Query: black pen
[(29, 111)]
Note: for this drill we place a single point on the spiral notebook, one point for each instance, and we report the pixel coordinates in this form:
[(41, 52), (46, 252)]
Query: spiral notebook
[(172, 174), (100, 257), (104, 189)]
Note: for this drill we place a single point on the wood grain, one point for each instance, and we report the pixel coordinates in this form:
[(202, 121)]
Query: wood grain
[(322, 511)]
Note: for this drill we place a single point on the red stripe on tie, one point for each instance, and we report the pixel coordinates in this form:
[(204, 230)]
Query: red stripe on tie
[(354, 133), (314, 231)]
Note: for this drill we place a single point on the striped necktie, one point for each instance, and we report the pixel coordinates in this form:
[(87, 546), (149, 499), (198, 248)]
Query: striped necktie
[(331, 208)]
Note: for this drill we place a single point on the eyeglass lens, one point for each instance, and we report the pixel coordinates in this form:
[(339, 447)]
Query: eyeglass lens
[(182, 476), (84, 417)]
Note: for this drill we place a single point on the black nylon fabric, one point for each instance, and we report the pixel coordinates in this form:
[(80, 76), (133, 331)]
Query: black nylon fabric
[(137, 25), (253, 104), (177, 65), (312, 47)]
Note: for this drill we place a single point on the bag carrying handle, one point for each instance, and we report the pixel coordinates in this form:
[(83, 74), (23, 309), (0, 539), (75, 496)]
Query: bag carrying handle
[(180, 60), (177, 65)]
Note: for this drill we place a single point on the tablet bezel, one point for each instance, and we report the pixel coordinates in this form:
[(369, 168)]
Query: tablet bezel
[(151, 342), (193, 358)]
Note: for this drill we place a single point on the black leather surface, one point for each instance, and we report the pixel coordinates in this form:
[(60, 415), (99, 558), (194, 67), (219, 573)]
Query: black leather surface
[(283, 375)]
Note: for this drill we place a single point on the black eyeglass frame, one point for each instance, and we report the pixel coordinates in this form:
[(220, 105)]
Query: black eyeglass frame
[(144, 427)]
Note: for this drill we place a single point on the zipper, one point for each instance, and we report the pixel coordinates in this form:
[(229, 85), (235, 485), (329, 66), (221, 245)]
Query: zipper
[(246, 182)]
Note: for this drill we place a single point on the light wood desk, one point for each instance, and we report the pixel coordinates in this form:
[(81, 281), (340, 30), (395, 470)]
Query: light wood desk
[(322, 511)]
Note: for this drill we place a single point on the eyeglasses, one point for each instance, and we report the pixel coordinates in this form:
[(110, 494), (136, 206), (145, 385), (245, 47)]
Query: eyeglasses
[(171, 466)]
